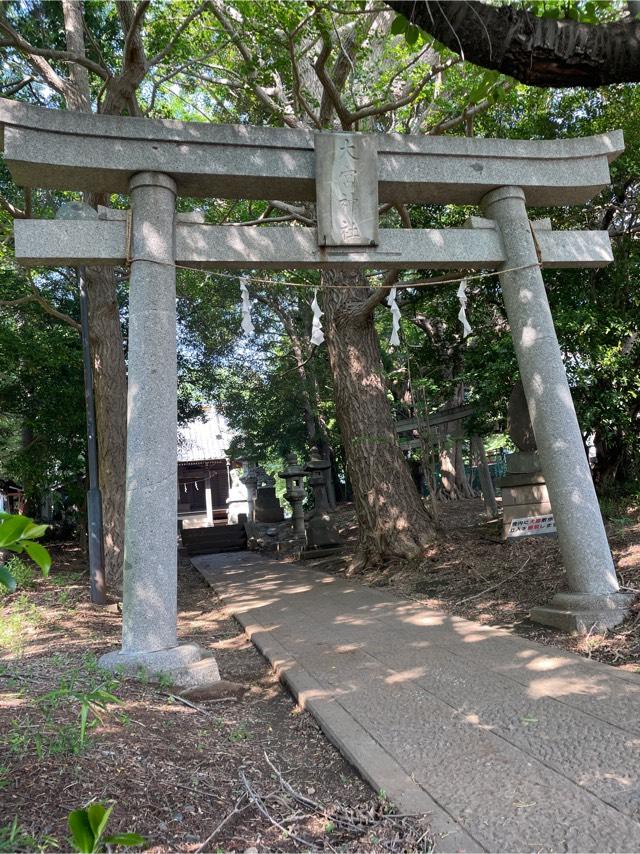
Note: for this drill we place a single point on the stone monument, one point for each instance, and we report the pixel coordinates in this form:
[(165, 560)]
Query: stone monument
[(267, 506), (294, 475), (322, 537), (237, 501), (524, 490)]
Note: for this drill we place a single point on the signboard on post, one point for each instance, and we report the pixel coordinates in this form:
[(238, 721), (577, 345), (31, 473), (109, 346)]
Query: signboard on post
[(532, 526)]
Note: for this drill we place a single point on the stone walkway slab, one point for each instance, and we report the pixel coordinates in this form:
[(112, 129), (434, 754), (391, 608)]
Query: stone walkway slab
[(508, 744)]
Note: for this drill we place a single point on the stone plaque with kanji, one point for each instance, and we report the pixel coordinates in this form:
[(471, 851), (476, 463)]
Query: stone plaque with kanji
[(346, 189)]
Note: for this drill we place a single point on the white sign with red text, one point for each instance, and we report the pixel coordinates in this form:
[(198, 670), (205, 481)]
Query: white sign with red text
[(532, 526)]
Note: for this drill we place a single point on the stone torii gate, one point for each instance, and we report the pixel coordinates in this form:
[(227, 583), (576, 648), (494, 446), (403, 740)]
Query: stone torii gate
[(347, 175)]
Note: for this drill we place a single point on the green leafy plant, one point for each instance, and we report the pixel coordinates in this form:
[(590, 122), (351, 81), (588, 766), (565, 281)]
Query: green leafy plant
[(94, 700), (240, 734), (164, 680), (88, 825), (18, 534)]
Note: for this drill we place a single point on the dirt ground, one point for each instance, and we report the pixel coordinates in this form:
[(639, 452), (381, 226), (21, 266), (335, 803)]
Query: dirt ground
[(470, 571), (172, 772), (237, 773)]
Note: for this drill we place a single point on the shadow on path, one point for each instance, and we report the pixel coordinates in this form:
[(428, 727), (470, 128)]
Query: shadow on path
[(511, 746)]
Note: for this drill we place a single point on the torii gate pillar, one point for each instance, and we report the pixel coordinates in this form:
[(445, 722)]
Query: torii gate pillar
[(594, 598), (149, 612)]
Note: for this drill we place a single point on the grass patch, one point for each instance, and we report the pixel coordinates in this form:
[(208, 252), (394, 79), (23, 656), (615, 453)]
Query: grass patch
[(23, 572), (22, 615), (13, 837)]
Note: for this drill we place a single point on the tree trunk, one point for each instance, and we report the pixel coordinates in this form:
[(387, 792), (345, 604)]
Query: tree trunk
[(610, 453), (107, 352), (462, 481), (110, 382), (393, 522), (488, 492)]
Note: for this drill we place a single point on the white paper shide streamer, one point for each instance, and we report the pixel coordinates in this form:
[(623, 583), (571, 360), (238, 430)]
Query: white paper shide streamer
[(395, 316), (317, 335), (247, 325), (462, 315)]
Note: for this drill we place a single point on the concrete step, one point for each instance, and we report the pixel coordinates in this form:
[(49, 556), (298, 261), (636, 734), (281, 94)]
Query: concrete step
[(225, 538), (213, 548)]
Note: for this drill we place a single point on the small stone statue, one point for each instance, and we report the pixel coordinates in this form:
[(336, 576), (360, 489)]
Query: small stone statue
[(237, 501)]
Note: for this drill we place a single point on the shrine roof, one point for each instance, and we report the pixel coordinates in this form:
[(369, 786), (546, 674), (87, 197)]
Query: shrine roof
[(204, 441)]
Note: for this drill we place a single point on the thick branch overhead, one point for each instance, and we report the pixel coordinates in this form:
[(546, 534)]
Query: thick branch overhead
[(533, 50)]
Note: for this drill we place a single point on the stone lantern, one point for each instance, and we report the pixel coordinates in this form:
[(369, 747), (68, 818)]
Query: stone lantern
[(316, 467), (293, 474), (321, 533)]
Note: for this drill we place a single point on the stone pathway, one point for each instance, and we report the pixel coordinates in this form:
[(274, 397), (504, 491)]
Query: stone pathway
[(510, 745)]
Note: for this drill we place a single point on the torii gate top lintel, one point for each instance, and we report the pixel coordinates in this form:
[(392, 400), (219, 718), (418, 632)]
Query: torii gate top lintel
[(60, 149)]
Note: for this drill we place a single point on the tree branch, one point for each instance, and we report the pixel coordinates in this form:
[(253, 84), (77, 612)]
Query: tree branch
[(296, 212), (135, 23), (16, 41), (412, 94), (467, 114), (378, 296), (171, 43), (331, 95), (49, 309), (217, 7), (121, 89), (36, 296), (404, 215), (9, 303), (15, 212), (14, 88), (297, 86), (37, 62), (536, 51)]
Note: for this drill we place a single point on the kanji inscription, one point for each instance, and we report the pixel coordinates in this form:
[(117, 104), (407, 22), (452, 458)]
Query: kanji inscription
[(346, 189)]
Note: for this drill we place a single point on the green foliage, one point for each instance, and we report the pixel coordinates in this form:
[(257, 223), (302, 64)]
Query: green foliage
[(241, 733), (18, 534), (42, 432), (28, 737), (586, 11), (88, 826)]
